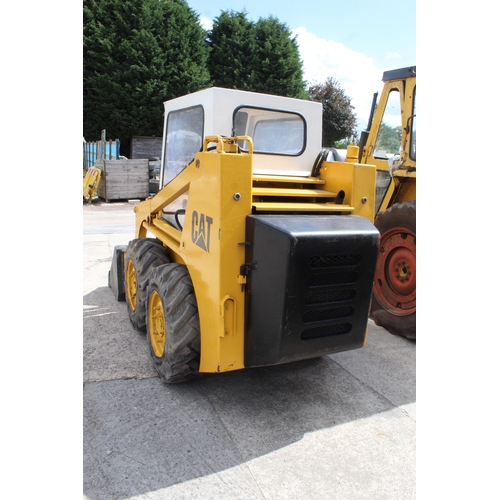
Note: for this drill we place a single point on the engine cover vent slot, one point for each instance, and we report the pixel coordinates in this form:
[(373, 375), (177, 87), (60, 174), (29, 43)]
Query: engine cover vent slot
[(326, 331)]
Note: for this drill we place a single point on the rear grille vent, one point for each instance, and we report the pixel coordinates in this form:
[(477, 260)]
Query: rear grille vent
[(325, 331), (334, 260), (326, 314), (334, 278), (326, 279), (326, 296)]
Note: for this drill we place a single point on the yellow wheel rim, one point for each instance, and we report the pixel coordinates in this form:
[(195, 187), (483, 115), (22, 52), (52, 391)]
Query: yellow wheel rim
[(131, 285), (156, 324)]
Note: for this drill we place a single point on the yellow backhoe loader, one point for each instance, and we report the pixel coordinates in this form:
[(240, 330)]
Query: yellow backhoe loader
[(390, 143), (257, 249)]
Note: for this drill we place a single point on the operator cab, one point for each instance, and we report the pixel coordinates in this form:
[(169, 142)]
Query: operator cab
[(286, 132)]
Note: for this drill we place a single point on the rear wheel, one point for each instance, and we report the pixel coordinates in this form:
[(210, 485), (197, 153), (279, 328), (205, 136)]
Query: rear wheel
[(394, 303), (142, 256), (173, 326)]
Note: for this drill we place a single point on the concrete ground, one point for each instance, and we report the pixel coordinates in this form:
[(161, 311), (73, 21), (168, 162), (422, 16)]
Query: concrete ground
[(338, 427)]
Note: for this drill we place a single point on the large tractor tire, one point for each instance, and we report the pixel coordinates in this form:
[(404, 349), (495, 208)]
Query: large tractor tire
[(143, 255), (394, 303), (173, 325)]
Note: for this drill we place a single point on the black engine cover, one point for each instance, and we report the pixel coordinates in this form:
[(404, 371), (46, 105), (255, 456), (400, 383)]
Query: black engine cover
[(309, 285)]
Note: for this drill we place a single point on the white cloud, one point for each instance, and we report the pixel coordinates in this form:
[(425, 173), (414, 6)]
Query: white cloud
[(355, 71), (205, 22), (392, 55)]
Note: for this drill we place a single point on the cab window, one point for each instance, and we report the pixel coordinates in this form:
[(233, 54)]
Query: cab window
[(390, 132), (184, 136), (413, 138), (272, 132)]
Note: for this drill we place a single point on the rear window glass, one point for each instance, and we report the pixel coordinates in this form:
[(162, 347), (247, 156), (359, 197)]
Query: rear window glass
[(272, 132)]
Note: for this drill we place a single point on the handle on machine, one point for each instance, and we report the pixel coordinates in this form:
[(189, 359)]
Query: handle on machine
[(228, 141)]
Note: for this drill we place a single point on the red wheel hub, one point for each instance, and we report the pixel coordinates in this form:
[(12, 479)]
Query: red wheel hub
[(396, 272)]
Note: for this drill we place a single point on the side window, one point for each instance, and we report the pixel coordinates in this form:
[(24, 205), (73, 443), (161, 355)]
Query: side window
[(272, 132), (184, 136), (413, 139), (390, 132)]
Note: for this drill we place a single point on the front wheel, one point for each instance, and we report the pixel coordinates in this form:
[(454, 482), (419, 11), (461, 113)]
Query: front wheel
[(142, 256), (394, 303), (173, 326)]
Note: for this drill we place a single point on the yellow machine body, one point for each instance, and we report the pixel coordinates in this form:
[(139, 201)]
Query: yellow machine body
[(261, 238), (222, 192), (219, 188)]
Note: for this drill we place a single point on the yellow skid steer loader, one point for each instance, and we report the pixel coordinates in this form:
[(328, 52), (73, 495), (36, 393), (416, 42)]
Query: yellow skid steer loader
[(259, 247)]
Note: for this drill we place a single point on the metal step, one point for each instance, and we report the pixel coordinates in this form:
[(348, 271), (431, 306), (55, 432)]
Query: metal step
[(290, 192), (300, 207), (289, 179)]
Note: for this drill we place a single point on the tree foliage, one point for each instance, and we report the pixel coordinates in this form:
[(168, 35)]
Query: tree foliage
[(389, 138), (277, 63), (137, 54), (258, 56), (232, 45), (339, 120)]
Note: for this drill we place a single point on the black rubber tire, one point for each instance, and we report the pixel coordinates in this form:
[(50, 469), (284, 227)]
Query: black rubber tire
[(400, 218), (323, 154), (180, 360), (145, 254)]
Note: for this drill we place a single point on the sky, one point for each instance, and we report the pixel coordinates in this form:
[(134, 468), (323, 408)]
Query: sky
[(352, 42)]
